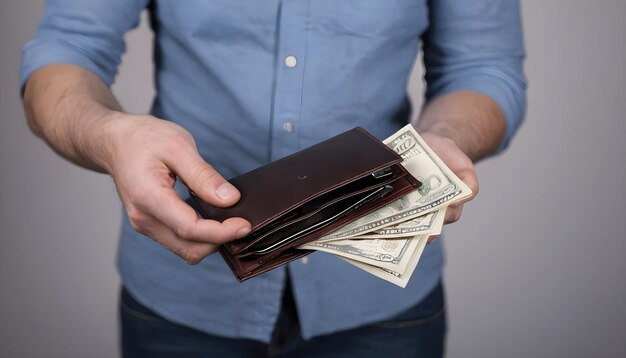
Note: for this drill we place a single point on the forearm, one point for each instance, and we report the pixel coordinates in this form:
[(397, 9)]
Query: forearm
[(76, 114), (72, 110), (472, 120)]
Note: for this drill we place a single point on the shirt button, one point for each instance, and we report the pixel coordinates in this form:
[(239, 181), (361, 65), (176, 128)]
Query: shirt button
[(288, 127), (291, 61), (305, 260)]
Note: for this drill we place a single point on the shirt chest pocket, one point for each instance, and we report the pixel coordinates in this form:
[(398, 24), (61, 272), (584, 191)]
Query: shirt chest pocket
[(219, 19)]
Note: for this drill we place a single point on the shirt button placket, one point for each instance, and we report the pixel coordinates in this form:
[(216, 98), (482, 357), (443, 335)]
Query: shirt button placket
[(290, 78)]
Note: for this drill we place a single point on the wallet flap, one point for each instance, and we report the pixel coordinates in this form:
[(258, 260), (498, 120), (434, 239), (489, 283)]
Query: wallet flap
[(276, 188)]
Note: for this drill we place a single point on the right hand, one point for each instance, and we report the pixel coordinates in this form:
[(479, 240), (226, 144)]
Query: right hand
[(146, 154)]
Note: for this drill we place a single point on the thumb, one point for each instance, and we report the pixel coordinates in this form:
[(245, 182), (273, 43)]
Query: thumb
[(206, 182), (470, 178)]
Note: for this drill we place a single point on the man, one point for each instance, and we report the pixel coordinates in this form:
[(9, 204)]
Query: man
[(243, 83)]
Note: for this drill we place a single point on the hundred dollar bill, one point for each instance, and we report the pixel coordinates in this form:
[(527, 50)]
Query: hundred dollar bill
[(397, 278), (391, 254), (440, 187), (429, 224)]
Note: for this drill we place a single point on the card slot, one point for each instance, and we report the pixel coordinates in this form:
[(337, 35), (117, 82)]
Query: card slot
[(321, 218), (306, 210)]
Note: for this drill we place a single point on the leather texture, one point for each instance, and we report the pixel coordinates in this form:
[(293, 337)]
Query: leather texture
[(306, 195)]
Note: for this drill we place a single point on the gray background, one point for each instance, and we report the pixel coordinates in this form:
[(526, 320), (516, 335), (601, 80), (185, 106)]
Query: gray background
[(535, 268)]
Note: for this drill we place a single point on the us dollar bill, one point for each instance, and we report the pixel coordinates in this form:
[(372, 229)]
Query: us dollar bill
[(397, 278), (429, 224), (440, 187), (391, 254)]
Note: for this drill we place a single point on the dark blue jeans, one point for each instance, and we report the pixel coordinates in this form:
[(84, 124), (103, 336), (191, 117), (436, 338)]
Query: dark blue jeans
[(417, 332)]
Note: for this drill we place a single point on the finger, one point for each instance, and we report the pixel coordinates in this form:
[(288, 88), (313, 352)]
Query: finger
[(204, 180), (453, 213), (192, 252), (432, 238), (470, 178), (169, 209)]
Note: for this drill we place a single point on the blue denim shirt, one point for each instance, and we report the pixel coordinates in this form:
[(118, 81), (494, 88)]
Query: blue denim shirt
[(254, 81)]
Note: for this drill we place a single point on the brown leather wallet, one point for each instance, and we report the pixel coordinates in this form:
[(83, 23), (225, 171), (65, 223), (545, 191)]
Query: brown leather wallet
[(306, 195)]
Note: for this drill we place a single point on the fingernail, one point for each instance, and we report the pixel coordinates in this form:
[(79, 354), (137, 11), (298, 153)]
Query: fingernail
[(226, 191), (243, 232)]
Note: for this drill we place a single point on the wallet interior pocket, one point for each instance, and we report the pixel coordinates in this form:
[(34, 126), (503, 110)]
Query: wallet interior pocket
[(319, 219), (311, 209)]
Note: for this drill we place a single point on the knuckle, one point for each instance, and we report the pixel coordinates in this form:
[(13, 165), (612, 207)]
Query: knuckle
[(141, 196), (204, 173), (456, 216), (222, 235), (453, 215), (475, 189), (221, 239), (138, 219), (183, 231), (191, 256), (180, 140), (138, 228)]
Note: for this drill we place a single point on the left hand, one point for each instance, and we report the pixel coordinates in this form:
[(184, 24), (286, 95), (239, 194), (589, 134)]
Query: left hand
[(460, 164)]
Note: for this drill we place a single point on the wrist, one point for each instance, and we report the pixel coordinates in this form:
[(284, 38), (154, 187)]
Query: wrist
[(440, 133), (472, 120), (114, 127)]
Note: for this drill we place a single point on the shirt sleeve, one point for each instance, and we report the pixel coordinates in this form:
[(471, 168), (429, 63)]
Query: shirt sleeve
[(89, 34), (478, 46)]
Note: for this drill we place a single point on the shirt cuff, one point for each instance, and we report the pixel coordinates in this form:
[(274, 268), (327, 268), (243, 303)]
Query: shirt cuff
[(498, 86), (42, 52)]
